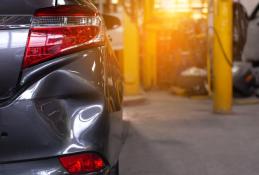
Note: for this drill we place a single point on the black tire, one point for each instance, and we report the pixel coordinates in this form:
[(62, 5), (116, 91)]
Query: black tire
[(115, 170)]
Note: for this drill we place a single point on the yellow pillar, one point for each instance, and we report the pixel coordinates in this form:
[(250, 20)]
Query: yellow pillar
[(222, 61), (149, 69), (131, 57), (148, 10), (149, 63)]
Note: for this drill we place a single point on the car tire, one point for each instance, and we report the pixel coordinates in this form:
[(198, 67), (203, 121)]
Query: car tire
[(115, 170)]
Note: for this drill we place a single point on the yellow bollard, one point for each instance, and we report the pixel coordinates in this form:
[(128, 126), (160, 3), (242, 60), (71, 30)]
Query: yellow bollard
[(222, 61), (131, 57)]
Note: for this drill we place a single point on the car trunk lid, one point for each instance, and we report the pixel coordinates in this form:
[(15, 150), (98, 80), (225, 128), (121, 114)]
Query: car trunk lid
[(13, 34), (15, 18)]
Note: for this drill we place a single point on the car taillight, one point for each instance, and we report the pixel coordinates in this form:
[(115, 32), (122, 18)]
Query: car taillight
[(82, 163), (62, 30)]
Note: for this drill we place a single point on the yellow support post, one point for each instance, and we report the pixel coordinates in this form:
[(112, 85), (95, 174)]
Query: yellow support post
[(148, 8), (222, 61), (149, 63), (149, 70), (131, 57)]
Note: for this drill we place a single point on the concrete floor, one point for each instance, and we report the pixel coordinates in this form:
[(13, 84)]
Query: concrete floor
[(179, 136)]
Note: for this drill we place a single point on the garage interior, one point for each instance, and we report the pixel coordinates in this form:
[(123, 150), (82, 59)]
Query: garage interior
[(172, 45), (191, 86)]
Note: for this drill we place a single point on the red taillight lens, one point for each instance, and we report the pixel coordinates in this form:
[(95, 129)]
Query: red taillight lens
[(51, 36), (82, 163)]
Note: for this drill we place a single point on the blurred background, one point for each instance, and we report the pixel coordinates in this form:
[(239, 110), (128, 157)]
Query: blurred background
[(184, 62), (169, 44)]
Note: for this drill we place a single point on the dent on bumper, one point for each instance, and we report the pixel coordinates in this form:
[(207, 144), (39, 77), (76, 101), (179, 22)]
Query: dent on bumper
[(58, 125)]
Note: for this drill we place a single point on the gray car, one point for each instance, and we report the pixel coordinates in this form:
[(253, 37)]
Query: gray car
[(60, 90)]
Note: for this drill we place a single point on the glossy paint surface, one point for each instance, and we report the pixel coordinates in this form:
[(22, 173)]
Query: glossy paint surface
[(71, 109), (12, 47), (23, 7)]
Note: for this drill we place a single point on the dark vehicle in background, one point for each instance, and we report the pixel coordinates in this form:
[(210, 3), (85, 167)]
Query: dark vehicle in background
[(246, 52), (60, 90)]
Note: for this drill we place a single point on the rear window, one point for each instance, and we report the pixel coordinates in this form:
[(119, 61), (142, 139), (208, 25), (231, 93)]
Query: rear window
[(23, 7)]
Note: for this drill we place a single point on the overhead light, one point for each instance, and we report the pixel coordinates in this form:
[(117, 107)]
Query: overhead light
[(115, 1)]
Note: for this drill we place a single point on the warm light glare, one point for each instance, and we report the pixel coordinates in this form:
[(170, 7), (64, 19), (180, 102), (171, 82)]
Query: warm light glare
[(115, 1), (178, 5), (197, 16), (172, 5)]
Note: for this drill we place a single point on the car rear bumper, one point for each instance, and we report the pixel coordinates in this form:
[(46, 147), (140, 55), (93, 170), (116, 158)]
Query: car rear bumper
[(64, 110), (40, 167)]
